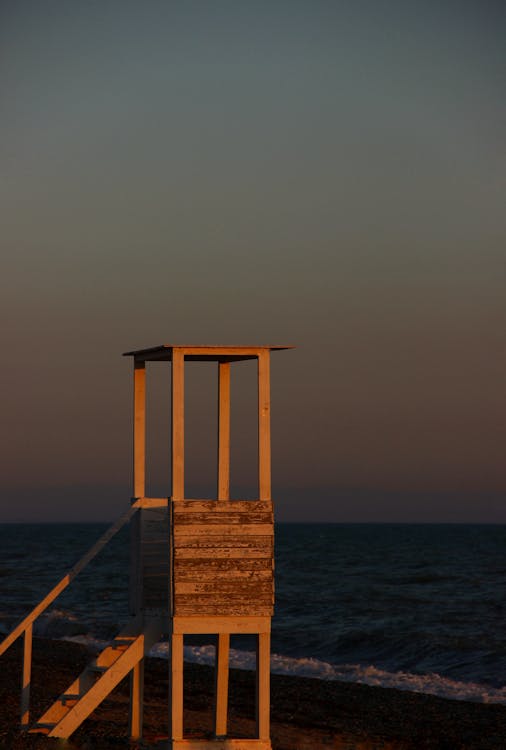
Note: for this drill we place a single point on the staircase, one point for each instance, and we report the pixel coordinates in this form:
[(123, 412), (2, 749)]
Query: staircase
[(96, 681), (123, 656)]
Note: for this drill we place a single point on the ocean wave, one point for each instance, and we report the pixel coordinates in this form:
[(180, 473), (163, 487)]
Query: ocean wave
[(59, 623), (65, 625), (431, 684)]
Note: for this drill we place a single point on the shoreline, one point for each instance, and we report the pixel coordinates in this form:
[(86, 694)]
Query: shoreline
[(306, 713)]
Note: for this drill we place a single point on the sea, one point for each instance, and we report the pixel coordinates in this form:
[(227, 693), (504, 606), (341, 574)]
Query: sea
[(415, 607)]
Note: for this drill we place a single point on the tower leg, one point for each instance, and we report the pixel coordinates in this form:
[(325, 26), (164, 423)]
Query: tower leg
[(176, 686), (263, 686), (221, 685), (136, 700)]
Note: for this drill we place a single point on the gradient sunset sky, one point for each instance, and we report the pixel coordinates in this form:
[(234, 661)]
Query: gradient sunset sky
[(324, 174)]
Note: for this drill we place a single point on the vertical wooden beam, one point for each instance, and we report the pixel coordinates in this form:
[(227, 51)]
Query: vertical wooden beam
[(263, 686), (223, 645), (139, 487), (223, 430), (139, 484), (176, 643), (136, 700), (177, 424), (136, 582), (264, 426), (176, 686), (264, 483), (221, 685), (26, 676)]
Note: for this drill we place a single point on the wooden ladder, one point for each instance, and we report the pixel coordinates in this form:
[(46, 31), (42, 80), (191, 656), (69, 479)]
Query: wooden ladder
[(95, 683)]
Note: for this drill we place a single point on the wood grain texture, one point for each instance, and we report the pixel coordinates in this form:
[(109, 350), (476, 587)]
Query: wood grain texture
[(233, 552), (229, 578), (239, 587), (222, 530), (231, 609), (223, 560), (211, 506), (232, 517), (224, 566)]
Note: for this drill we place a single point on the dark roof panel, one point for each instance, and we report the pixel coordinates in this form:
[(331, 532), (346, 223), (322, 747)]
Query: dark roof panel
[(202, 352)]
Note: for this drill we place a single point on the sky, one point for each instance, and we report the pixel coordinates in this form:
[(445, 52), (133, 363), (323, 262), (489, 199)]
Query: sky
[(329, 175)]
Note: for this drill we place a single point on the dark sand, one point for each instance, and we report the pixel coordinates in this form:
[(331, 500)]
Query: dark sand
[(306, 713)]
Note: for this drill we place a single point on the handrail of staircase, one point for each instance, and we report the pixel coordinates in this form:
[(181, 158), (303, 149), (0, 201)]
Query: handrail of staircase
[(28, 621)]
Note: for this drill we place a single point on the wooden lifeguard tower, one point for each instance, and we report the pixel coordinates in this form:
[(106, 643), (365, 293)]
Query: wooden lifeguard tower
[(221, 551), (197, 567)]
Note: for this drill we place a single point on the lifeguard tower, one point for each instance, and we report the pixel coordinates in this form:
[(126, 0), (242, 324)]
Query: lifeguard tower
[(197, 567)]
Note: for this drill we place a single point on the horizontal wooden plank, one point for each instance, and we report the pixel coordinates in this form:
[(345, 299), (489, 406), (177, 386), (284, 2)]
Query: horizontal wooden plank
[(223, 518), (220, 506), (221, 624), (254, 529), (211, 599), (228, 610), (246, 588), (229, 542), (211, 553), (222, 566), (201, 575)]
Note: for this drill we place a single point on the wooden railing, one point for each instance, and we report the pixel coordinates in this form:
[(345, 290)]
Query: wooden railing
[(25, 627)]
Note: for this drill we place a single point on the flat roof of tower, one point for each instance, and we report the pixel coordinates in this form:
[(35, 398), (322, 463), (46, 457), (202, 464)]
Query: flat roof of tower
[(202, 352)]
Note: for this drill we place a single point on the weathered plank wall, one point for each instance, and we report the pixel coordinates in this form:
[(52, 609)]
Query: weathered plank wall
[(150, 579), (222, 557)]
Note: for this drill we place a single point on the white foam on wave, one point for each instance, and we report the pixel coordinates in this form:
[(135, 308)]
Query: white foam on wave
[(433, 684)]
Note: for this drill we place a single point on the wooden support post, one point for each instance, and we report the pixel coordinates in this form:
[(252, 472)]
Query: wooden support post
[(136, 700), (223, 430), (176, 646), (263, 686), (177, 424), (221, 685), (139, 429), (26, 676), (176, 686), (223, 645), (264, 426), (264, 483), (139, 484)]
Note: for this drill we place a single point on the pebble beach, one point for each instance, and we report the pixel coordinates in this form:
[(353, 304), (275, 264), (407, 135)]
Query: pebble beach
[(306, 713)]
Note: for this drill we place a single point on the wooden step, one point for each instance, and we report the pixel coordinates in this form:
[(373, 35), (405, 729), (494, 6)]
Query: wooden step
[(110, 677), (41, 727), (97, 680)]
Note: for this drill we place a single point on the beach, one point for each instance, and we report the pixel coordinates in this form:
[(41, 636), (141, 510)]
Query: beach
[(305, 713)]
